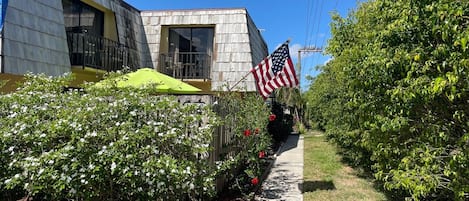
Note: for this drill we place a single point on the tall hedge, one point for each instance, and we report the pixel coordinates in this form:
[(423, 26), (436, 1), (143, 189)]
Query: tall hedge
[(102, 145), (126, 144), (396, 94)]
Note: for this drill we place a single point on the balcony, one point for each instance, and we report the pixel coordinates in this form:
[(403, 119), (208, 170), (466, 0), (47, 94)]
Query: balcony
[(186, 65), (88, 50)]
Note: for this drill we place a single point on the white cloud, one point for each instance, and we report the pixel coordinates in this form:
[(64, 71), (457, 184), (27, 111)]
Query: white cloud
[(294, 51)]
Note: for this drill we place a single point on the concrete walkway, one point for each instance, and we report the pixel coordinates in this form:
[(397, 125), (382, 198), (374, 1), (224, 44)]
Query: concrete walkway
[(285, 180)]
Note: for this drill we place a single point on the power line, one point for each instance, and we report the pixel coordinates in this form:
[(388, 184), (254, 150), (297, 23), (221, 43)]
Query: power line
[(308, 20), (315, 58)]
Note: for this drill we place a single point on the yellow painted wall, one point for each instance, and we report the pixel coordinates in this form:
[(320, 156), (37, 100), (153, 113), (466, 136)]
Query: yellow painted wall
[(164, 40), (81, 76)]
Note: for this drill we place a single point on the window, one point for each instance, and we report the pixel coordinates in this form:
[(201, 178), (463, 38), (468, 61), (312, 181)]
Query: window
[(196, 40), (189, 52), (82, 18)]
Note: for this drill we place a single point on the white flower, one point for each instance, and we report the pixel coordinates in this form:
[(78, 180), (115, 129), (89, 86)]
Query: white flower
[(113, 166), (11, 148), (40, 171), (7, 181), (160, 184), (191, 186)]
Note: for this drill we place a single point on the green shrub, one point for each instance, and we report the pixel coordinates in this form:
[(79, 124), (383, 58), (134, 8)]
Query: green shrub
[(124, 144), (102, 145), (395, 95), (247, 143)]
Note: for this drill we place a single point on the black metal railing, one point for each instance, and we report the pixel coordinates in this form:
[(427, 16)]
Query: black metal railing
[(100, 53), (186, 65)]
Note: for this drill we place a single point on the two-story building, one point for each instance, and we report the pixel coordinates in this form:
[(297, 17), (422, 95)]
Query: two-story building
[(208, 48)]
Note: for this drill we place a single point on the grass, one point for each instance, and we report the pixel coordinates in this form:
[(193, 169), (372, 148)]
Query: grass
[(327, 178)]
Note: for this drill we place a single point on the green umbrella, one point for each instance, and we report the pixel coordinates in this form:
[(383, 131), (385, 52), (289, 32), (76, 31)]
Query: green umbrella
[(146, 77)]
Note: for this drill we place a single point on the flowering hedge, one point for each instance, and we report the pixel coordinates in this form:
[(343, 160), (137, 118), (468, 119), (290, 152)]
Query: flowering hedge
[(245, 117), (122, 144), (102, 144)]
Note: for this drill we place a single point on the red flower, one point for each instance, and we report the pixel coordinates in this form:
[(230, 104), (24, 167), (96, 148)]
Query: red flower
[(254, 181), (247, 132), (256, 131), (272, 117), (261, 154)]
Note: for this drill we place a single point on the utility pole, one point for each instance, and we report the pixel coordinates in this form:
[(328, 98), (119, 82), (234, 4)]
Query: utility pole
[(305, 49)]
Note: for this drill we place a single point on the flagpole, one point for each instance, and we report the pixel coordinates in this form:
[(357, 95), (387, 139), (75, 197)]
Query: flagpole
[(244, 77), (255, 68)]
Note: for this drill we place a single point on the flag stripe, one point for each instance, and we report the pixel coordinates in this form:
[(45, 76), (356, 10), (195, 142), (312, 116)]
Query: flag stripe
[(275, 71)]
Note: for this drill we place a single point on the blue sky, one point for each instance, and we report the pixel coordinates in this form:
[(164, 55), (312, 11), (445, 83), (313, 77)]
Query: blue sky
[(305, 22)]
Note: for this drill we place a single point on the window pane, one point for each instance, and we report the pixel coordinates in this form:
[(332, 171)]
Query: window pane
[(202, 40), (180, 40), (191, 40), (80, 17), (71, 15)]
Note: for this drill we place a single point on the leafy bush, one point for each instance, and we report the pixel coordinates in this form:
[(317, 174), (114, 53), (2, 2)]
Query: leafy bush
[(395, 94), (247, 144), (282, 125), (124, 144), (102, 145)]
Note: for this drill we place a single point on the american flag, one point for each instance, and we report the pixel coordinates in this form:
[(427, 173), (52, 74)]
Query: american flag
[(275, 71)]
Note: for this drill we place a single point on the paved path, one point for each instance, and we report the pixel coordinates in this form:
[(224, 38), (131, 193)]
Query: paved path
[(286, 177)]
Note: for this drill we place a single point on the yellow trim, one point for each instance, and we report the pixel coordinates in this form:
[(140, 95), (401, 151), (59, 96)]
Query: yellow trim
[(205, 86)]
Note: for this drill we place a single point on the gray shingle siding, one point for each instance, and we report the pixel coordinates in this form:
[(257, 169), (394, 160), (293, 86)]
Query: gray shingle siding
[(34, 38), (237, 43)]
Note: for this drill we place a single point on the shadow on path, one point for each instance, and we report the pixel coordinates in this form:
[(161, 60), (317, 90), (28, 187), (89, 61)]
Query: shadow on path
[(291, 143), (279, 185)]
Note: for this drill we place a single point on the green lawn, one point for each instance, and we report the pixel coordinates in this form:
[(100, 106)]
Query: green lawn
[(327, 178)]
